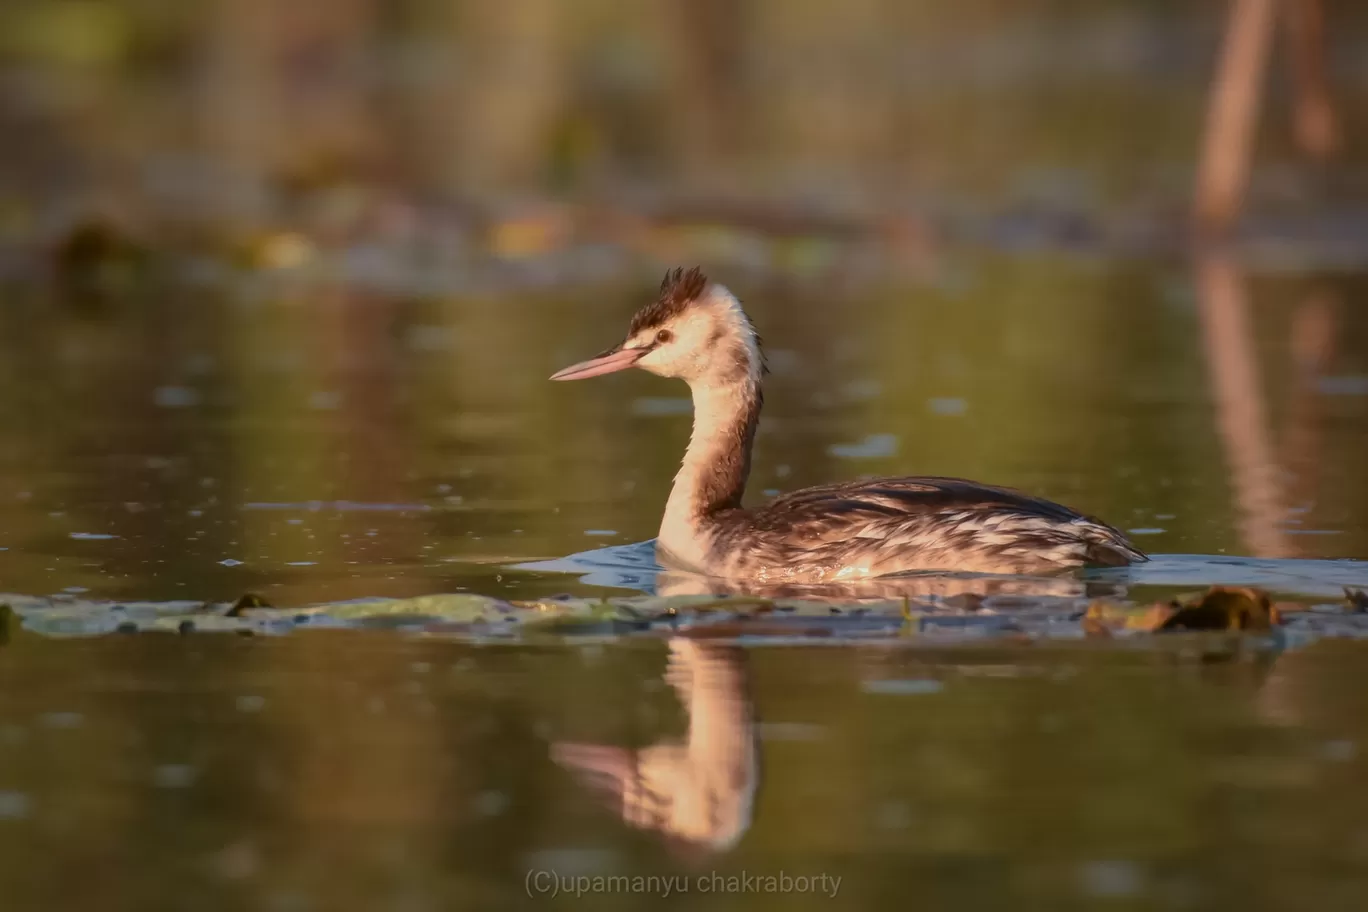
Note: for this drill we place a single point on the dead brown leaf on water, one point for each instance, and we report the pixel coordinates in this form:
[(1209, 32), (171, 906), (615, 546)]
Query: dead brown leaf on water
[(1224, 608), (1219, 608), (247, 601)]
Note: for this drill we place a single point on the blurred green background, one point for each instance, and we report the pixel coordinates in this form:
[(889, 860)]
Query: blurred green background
[(1090, 102)]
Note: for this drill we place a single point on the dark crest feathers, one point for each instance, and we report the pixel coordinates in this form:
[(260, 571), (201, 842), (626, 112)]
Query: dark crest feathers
[(678, 290)]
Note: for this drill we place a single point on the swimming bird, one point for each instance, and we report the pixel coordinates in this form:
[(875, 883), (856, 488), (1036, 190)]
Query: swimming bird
[(696, 331)]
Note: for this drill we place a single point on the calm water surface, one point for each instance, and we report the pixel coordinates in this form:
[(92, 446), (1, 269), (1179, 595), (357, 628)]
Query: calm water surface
[(312, 443), (316, 445), (368, 771)]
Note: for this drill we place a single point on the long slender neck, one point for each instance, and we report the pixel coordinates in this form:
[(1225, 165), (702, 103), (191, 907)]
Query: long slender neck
[(724, 374), (717, 462)]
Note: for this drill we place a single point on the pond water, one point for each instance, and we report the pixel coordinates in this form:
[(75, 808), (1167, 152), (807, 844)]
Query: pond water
[(323, 448), (311, 442), (315, 594), (365, 770)]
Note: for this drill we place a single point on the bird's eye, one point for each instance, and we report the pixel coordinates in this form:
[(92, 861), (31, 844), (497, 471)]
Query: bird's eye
[(664, 336)]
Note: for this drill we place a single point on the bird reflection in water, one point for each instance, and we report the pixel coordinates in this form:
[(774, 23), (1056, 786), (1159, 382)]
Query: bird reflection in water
[(947, 588), (699, 792), (634, 567)]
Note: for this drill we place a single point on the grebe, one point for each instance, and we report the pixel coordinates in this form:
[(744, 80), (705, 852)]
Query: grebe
[(696, 331)]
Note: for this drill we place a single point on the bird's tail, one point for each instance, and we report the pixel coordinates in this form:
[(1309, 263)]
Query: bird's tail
[(1108, 547)]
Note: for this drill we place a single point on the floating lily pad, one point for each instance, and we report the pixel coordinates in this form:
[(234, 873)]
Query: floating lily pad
[(480, 618)]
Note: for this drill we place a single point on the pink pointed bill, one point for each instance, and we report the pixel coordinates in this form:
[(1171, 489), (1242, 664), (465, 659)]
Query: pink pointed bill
[(619, 359)]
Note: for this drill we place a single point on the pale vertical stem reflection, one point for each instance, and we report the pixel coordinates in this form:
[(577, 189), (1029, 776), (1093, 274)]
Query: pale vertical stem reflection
[(1233, 113), (1315, 326), (1283, 697), (1228, 341), (1314, 120)]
